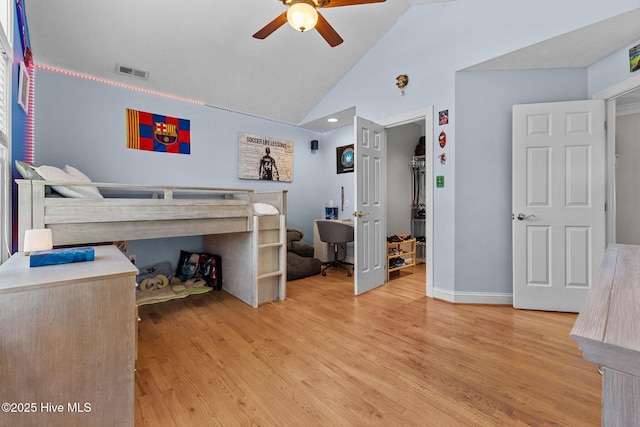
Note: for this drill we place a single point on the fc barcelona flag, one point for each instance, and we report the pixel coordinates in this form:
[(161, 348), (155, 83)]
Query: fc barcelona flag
[(153, 132)]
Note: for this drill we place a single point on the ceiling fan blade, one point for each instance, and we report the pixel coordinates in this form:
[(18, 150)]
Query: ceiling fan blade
[(327, 32), (271, 26), (338, 3)]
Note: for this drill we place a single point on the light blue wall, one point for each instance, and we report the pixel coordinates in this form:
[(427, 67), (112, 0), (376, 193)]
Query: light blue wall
[(483, 160), (431, 43), (333, 182), (81, 122), (611, 70)]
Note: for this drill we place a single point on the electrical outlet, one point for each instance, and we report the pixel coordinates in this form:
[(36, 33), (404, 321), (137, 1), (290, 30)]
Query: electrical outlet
[(132, 258)]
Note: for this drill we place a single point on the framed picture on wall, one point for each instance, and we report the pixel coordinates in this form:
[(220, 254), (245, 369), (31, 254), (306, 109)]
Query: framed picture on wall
[(23, 87), (345, 159), (264, 158), (634, 58)]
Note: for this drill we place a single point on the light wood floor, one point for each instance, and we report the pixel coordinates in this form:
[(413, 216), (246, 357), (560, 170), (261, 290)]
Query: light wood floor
[(390, 357)]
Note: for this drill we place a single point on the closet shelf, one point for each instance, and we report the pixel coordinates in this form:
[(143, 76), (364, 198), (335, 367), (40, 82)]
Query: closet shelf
[(406, 250)]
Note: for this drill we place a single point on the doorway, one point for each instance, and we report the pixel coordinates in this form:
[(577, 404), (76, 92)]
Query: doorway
[(403, 135), (422, 119), (627, 174), (406, 207), (621, 98)]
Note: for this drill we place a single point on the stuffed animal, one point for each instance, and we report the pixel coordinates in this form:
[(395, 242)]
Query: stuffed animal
[(157, 276), (158, 281)]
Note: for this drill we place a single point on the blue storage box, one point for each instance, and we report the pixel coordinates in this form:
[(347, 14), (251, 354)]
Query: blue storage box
[(61, 256)]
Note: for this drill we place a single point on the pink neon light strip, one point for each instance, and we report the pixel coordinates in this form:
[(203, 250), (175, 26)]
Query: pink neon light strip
[(112, 83)]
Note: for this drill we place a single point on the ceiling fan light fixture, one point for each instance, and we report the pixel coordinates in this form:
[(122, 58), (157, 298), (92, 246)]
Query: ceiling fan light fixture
[(302, 16)]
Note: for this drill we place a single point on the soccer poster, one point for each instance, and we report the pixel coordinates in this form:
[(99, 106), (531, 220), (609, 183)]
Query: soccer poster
[(264, 158)]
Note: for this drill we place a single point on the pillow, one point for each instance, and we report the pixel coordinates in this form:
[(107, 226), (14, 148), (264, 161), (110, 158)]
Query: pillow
[(262, 209), (76, 173), (52, 173), (204, 266), (28, 171), (155, 276)]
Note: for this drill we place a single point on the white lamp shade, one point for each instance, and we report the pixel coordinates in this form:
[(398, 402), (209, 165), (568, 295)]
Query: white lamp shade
[(302, 16), (38, 240)]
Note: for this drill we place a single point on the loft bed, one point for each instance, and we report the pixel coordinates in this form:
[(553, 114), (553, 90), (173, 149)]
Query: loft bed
[(239, 225)]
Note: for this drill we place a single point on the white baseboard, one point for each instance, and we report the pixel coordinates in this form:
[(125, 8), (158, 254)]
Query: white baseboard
[(473, 297)]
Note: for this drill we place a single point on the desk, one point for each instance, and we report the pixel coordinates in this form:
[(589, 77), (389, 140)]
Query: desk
[(323, 251), (608, 334)]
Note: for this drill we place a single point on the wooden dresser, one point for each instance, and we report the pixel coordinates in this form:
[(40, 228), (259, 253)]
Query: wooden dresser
[(608, 332), (67, 342)]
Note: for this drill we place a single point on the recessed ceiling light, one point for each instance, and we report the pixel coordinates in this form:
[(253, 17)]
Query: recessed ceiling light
[(332, 120)]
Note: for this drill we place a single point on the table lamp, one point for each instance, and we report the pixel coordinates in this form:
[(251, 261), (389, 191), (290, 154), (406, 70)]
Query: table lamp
[(38, 244), (37, 240)]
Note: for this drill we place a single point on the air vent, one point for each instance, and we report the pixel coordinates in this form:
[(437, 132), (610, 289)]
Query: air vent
[(132, 72)]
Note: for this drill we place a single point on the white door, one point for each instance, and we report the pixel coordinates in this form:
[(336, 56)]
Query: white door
[(369, 216), (558, 202)]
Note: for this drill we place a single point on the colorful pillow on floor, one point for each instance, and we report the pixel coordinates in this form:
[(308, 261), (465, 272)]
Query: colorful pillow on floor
[(194, 265)]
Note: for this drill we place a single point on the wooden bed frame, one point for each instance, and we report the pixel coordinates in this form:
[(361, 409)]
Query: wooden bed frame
[(253, 248)]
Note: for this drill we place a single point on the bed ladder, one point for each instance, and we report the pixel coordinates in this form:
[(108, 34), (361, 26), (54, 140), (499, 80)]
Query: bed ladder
[(270, 255)]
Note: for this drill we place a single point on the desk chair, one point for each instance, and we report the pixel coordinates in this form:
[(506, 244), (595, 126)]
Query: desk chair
[(335, 233)]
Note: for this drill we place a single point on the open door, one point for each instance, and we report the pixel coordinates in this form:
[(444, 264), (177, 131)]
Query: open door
[(370, 212), (558, 202)]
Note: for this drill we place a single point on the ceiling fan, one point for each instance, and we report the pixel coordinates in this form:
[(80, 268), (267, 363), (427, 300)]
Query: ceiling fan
[(303, 16)]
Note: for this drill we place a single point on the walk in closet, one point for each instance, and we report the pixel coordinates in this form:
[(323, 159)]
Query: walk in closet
[(407, 210)]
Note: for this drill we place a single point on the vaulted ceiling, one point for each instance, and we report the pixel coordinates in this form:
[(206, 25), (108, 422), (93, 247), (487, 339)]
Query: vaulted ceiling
[(204, 49)]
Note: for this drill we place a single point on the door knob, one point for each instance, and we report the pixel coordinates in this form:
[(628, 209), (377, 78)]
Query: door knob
[(522, 216), (360, 214)]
